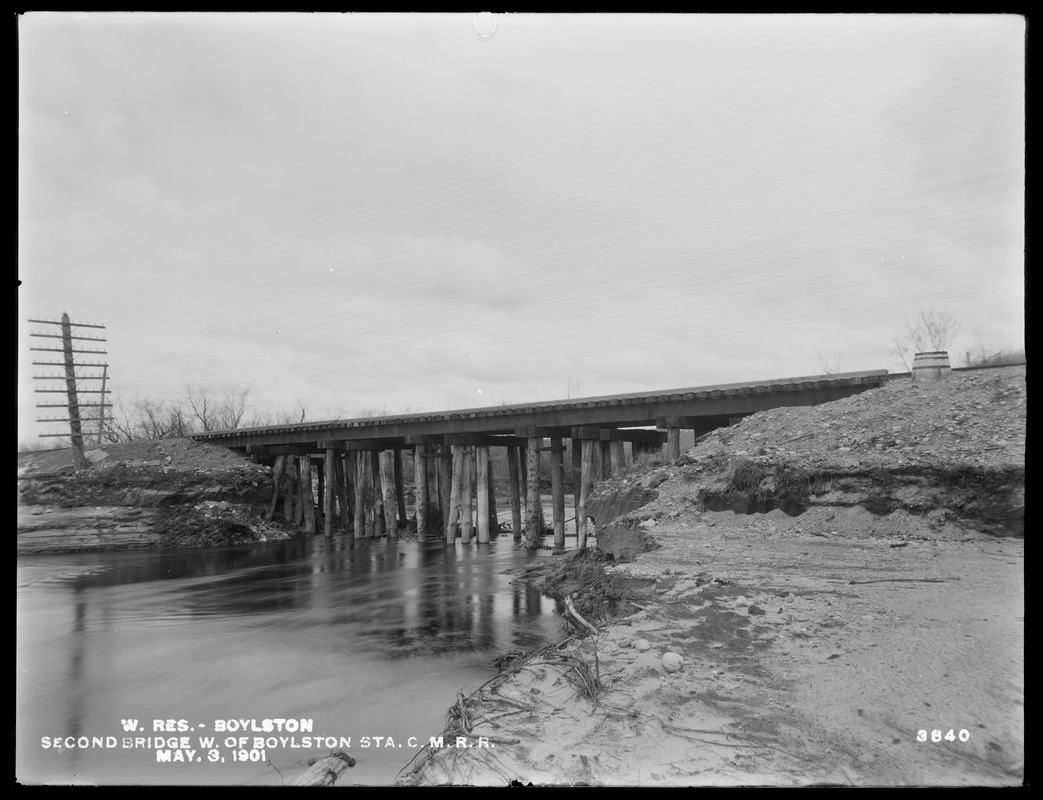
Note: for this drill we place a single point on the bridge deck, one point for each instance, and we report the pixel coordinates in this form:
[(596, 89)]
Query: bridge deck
[(696, 407)]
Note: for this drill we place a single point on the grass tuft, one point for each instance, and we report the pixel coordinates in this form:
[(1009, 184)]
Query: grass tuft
[(745, 476)]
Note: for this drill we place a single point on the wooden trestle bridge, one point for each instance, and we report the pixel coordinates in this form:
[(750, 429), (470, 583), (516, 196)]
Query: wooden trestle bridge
[(360, 479)]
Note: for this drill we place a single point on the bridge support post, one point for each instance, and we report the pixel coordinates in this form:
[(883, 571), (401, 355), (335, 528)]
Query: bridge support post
[(533, 509), (328, 506), (557, 483), (513, 469), (606, 460), (341, 478), (454, 494), (445, 485), (307, 495), (584, 491), (289, 489), (277, 472), (577, 471), (377, 530), (387, 487), (359, 461), (481, 462), (466, 495), (298, 496), (673, 442), (349, 490), (619, 457), (400, 488), (320, 494), (420, 490), (523, 469), (494, 519)]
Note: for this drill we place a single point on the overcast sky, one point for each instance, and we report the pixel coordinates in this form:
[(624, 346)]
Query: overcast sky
[(422, 212)]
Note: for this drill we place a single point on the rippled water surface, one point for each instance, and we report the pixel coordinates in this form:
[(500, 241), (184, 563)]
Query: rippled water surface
[(366, 641)]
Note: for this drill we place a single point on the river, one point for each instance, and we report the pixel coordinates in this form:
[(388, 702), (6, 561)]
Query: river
[(359, 640)]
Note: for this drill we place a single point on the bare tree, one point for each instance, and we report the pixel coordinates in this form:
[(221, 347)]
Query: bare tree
[(119, 427), (232, 409), (926, 332), (829, 363), (203, 404), (333, 413), (215, 411), (281, 417), (373, 412), (180, 425), (154, 421), (146, 419)]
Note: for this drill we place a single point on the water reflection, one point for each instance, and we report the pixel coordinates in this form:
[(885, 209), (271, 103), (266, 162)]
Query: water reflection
[(266, 630)]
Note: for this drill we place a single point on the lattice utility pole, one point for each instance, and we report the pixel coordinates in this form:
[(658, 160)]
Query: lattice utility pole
[(70, 378)]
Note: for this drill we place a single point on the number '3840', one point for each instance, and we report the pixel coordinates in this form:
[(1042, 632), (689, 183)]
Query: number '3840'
[(936, 735)]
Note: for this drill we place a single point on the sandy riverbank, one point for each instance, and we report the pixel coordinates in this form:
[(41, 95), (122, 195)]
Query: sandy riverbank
[(805, 659)]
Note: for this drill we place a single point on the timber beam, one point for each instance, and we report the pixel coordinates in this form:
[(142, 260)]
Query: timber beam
[(542, 432), (617, 435), (484, 440), (423, 438), (284, 449), (585, 433), (695, 423), (375, 445)]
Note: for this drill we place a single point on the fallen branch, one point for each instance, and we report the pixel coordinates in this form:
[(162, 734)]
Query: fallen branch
[(463, 711), (597, 667), (572, 610)]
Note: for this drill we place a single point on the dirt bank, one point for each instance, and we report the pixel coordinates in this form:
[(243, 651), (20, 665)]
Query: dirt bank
[(169, 493), (826, 595)]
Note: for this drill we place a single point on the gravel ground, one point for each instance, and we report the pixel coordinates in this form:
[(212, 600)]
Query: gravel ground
[(974, 418), (184, 455)]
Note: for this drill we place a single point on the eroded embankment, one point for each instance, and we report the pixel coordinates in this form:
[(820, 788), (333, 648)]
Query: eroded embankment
[(960, 497), (144, 506), (989, 499)]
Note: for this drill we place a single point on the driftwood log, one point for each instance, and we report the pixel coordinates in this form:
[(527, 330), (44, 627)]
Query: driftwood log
[(325, 771)]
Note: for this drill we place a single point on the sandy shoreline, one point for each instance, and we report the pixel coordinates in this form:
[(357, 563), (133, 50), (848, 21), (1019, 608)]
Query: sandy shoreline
[(806, 660)]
